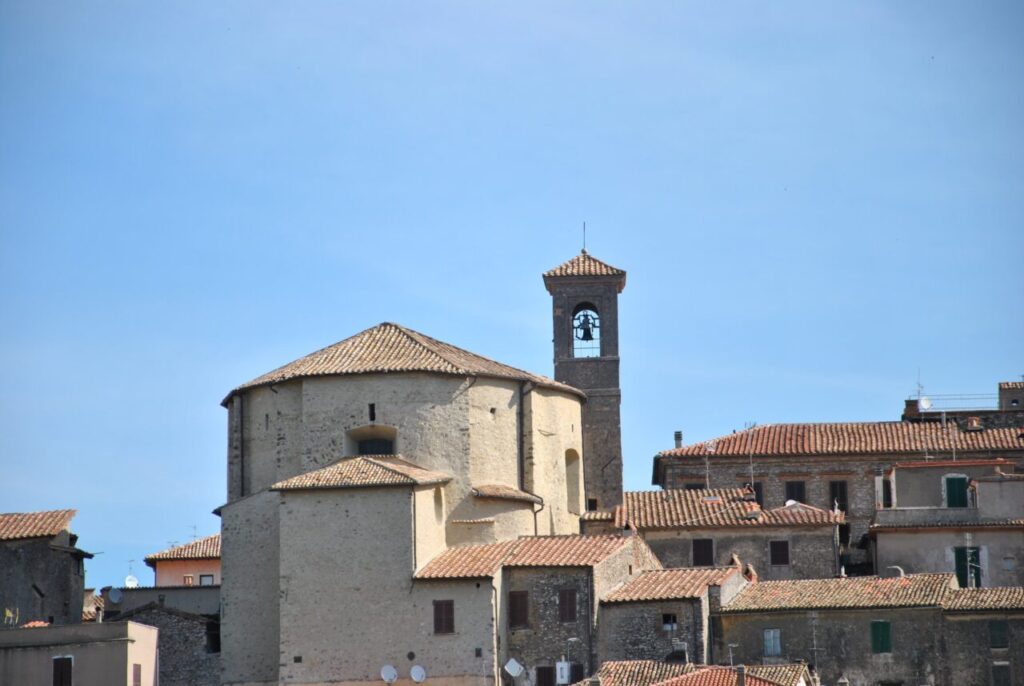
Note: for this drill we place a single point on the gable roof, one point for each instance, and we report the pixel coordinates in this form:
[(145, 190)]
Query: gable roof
[(912, 590), (975, 599), (475, 561), (586, 264), (207, 548), (674, 508), (854, 438), (18, 525), (638, 672), (786, 675), (391, 348), (717, 676), (364, 471), (670, 584)]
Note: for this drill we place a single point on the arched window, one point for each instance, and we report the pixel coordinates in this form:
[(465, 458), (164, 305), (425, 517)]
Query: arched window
[(586, 331), (375, 439), (573, 481)]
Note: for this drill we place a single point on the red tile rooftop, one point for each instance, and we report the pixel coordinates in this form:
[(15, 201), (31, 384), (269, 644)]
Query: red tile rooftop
[(18, 525), (670, 584), (207, 548), (364, 471)]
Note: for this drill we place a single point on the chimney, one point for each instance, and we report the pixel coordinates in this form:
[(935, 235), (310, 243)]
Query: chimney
[(679, 439), (734, 560), (595, 681), (741, 675)]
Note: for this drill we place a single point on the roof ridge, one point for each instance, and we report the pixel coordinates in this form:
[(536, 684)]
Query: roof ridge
[(390, 468), (416, 336)]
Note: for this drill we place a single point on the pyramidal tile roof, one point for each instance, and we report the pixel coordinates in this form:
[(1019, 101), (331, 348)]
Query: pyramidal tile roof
[(362, 472), (207, 548), (16, 525), (391, 348), (854, 438), (912, 590), (586, 264), (670, 584)]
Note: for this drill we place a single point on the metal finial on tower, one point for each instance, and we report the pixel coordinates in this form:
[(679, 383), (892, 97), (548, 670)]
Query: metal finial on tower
[(584, 251)]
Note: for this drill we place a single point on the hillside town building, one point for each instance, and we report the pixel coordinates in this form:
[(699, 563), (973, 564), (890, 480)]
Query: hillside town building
[(196, 563)]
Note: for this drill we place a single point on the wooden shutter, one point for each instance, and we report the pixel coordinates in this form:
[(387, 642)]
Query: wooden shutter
[(886, 493), (567, 605), (576, 674), (545, 676), (956, 491), (881, 637), (837, 494), (519, 610), (1001, 674), (796, 490), (62, 668), (703, 552), (444, 616)]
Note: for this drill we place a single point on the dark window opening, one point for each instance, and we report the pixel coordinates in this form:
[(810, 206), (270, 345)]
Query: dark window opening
[(518, 609), (591, 504), (796, 490), (567, 605), (669, 622), (703, 552), (62, 669), (545, 676), (779, 553), (576, 674), (444, 616), (844, 534), (376, 446), (373, 412), (837, 495), (968, 567), (886, 493), (999, 633), (956, 491), (881, 637), (1001, 674), (759, 493), (212, 636), (478, 652), (297, 659), (586, 331)]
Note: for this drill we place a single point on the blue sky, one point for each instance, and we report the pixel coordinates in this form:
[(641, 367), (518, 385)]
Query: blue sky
[(813, 202)]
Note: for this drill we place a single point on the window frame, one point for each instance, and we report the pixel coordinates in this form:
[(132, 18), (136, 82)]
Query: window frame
[(58, 679), (211, 577), (771, 643), (771, 554), (881, 637), (518, 601), (946, 491), (671, 626), (188, 580), (802, 483), (444, 617), (843, 486), (970, 555), (693, 552), (1000, 664)]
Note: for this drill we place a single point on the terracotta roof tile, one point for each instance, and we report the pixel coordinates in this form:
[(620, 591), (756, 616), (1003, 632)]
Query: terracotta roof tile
[(598, 516), (954, 524), (585, 264), (390, 348), (856, 438), (485, 560), (36, 624), (362, 472), (718, 507), (499, 492), (787, 675), (16, 525), (670, 584), (913, 590), (716, 676), (972, 599), (934, 464), (1007, 385), (638, 672), (207, 548)]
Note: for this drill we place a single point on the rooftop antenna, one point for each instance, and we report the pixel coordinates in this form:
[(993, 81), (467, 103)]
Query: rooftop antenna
[(584, 238), (814, 644), (195, 532), (731, 646), (750, 450)]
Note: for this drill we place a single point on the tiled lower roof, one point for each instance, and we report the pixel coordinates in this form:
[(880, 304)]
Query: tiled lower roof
[(670, 584), (18, 525), (962, 524), (1008, 385), (475, 561), (362, 472), (500, 492), (638, 672), (974, 599), (207, 548), (912, 590), (717, 507), (787, 675), (717, 676), (597, 516)]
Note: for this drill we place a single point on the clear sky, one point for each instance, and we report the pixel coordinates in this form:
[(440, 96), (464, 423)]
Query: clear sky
[(813, 200)]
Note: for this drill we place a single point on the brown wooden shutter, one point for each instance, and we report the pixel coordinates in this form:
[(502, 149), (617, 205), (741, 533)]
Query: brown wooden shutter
[(519, 609), (567, 605), (545, 676), (444, 616), (62, 667)]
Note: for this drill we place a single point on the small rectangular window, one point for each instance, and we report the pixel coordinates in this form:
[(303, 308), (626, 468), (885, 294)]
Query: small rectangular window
[(373, 412), (591, 504), (567, 605), (837, 495), (1001, 674), (796, 490), (759, 493), (518, 609), (968, 566), (545, 676), (206, 579), (772, 642), (136, 674), (444, 616), (703, 552), (881, 636), (779, 553), (956, 491), (669, 622), (886, 493), (62, 671), (999, 633), (189, 580)]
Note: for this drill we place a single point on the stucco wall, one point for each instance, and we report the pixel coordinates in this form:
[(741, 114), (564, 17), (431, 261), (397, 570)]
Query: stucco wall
[(172, 572), (27, 565), (812, 552), (250, 591), (1001, 499), (925, 487), (932, 551), (429, 523), (200, 600), (554, 427)]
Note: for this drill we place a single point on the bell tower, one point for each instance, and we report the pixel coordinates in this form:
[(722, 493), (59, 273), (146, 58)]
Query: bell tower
[(585, 306)]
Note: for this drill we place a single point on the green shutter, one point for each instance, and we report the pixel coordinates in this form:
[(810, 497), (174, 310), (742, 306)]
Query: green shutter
[(960, 554), (968, 567), (956, 491), (881, 638)]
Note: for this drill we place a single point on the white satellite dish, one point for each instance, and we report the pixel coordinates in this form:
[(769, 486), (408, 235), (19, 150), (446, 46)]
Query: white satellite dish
[(790, 503), (389, 674), (131, 582), (513, 667), (924, 404), (115, 595), (418, 674)]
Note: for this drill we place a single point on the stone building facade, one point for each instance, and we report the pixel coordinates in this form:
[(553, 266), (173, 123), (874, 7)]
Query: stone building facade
[(820, 464), (196, 563), (585, 312), (188, 644), (42, 577)]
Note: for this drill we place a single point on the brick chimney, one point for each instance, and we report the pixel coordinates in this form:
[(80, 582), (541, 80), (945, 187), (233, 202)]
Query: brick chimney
[(750, 574), (741, 675)]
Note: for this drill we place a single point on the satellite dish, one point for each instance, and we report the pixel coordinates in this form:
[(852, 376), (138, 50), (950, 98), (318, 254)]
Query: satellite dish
[(924, 404), (417, 674), (790, 503), (513, 667), (115, 595), (131, 582), (389, 674)]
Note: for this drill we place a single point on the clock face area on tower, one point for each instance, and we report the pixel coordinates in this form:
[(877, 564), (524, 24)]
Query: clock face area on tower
[(586, 331)]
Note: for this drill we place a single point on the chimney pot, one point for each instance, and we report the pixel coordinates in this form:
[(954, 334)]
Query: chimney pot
[(741, 675), (678, 439)]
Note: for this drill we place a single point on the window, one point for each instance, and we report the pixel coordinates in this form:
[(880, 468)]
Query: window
[(591, 504), (189, 580), (567, 605), (703, 552), (444, 616), (772, 642), (573, 479), (837, 495), (968, 567), (998, 634), (844, 534), (206, 579), (886, 493), (586, 331), (956, 491), (136, 674), (759, 493), (778, 553), (518, 609), (576, 674), (796, 490), (1001, 674), (62, 669), (212, 636), (545, 676), (376, 446), (881, 636), (695, 486), (668, 622)]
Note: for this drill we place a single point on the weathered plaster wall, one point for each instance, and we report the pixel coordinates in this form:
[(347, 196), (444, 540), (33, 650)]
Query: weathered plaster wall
[(172, 572), (925, 487), (932, 551), (553, 424), (1001, 499), (40, 582), (429, 523)]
